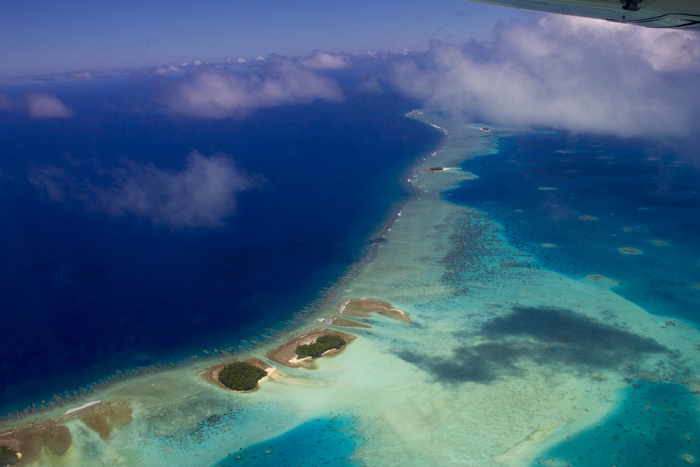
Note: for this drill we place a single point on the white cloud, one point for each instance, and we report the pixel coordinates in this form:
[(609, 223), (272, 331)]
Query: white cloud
[(663, 49), (567, 73), (45, 106), (215, 93), (167, 70), (202, 194), (326, 61)]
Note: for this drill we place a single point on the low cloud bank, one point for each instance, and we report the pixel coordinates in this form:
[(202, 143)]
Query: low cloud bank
[(202, 194), (326, 61), (44, 106), (566, 73), (217, 93)]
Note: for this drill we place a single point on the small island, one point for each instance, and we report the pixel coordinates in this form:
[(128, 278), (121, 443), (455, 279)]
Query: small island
[(238, 375), (322, 345), (241, 376), (433, 169), (302, 350)]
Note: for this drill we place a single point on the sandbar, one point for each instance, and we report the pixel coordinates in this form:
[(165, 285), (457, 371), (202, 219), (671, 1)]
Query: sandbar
[(363, 307), (348, 323), (84, 406)]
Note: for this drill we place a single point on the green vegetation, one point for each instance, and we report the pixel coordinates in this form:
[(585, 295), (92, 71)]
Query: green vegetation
[(8, 456), (322, 344), (241, 376)]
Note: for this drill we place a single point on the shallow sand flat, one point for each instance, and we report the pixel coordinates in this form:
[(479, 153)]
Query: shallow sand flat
[(338, 321), (502, 398), (365, 306), (513, 406), (499, 364)]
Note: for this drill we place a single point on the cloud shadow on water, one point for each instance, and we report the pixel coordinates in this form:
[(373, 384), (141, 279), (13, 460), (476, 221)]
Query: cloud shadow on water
[(546, 336)]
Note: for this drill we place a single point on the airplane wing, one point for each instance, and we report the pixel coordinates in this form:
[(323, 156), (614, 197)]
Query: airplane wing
[(679, 14)]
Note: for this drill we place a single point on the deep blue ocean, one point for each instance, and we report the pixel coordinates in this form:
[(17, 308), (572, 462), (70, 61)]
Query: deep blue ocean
[(85, 294)]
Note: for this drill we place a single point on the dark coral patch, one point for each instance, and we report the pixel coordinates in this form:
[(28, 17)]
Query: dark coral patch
[(547, 336)]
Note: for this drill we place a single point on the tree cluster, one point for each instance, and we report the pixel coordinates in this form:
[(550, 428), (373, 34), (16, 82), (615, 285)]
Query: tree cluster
[(241, 376), (8, 456), (322, 344)]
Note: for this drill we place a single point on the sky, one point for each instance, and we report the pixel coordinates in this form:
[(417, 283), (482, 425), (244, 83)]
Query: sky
[(44, 36), (489, 64)]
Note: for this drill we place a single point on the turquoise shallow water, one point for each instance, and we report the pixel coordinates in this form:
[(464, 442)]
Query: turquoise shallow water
[(573, 203), (320, 442), (654, 425), (589, 196)]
